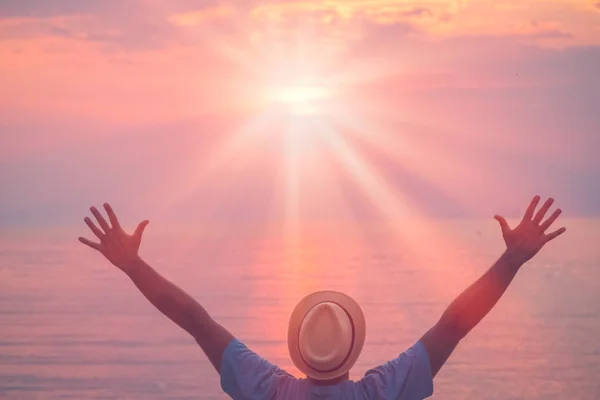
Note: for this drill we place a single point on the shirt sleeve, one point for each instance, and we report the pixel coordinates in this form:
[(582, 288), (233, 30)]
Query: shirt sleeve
[(247, 376), (407, 377)]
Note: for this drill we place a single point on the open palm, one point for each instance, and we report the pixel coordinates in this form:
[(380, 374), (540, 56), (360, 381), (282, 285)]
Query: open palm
[(528, 238), (120, 248)]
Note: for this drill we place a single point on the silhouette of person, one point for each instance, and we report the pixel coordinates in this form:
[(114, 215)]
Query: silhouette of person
[(327, 329)]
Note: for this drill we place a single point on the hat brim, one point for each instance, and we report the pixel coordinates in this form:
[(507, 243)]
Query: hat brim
[(298, 315)]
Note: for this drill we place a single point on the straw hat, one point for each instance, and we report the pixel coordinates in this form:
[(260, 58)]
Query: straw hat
[(326, 334)]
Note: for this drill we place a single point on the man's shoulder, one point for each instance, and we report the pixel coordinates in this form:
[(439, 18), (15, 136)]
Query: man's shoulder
[(408, 375)]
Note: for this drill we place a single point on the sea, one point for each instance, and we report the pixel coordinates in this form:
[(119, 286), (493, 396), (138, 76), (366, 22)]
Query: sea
[(72, 326)]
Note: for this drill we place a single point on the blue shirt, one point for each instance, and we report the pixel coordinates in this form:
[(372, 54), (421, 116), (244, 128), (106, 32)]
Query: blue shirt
[(247, 376)]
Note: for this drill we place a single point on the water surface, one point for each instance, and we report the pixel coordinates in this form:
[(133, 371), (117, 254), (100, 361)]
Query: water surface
[(74, 327)]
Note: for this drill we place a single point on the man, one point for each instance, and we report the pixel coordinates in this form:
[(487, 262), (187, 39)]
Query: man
[(327, 329)]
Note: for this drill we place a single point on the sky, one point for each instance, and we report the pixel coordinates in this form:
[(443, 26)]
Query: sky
[(285, 111)]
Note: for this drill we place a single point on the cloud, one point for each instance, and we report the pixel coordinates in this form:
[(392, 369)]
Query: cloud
[(199, 17), (60, 32), (56, 8), (46, 9), (479, 56), (543, 30), (417, 12), (124, 35), (385, 12), (136, 25), (335, 27), (114, 25)]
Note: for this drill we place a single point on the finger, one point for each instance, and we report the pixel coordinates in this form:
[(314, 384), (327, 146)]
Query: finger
[(550, 220), (555, 234), (95, 246), (542, 213), (531, 209), (503, 224), (100, 218), (140, 229), (99, 234), (111, 216)]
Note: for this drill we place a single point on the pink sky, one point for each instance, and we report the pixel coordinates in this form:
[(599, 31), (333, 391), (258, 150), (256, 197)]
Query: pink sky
[(448, 107)]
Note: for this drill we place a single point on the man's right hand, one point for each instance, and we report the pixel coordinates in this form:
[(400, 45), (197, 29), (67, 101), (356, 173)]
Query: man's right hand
[(465, 312), (528, 238)]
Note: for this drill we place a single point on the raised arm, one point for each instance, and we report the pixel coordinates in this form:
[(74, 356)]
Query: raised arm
[(121, 250), (522, 243)]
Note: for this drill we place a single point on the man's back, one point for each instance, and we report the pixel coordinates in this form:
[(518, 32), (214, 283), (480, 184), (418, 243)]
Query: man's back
[(245, 375)]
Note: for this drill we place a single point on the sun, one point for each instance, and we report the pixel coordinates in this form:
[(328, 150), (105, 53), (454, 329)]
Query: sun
[(299, 93), (299, 99)]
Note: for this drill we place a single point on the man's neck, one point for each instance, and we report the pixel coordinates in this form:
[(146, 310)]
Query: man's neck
[(330, 382)]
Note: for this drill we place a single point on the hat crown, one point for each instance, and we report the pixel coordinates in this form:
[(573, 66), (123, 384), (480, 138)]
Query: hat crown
[(326, 336)]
